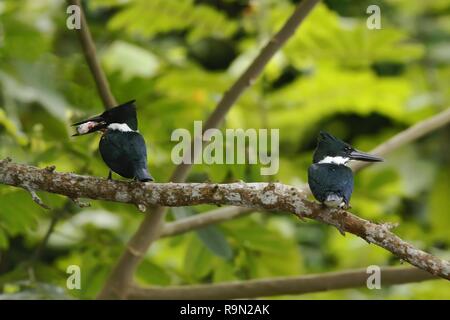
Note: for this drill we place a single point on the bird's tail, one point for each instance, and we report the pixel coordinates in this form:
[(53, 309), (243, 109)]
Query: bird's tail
[(143, 175)]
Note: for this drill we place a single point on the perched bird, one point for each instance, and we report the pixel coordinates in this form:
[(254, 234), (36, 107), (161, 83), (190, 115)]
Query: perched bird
[(121, 146), (330, 180)]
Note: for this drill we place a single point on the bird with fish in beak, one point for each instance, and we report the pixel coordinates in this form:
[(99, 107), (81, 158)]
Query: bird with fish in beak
[(121, 146)]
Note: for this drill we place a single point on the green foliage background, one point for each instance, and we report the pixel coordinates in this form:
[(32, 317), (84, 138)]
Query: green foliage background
[(177, 57)]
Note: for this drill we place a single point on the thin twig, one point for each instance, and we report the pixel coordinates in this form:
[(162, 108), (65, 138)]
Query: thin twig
[(35, 196), (412, 133), (57, 214), (281, 286), (202, 220), (90, 55)]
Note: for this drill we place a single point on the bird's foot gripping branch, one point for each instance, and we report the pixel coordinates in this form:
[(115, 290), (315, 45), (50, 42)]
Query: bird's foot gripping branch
[(263, 196)]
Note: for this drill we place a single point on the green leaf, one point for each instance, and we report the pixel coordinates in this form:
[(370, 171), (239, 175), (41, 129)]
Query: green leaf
[(212, 237), (350, 45), (224, 272), (23, 41), (130, 60), (3, 239), (18, 212), (198, 260), (257, 238), (439, 204), (148, 18), (150, 273), (12, 129), (215, 241), (408, 161)]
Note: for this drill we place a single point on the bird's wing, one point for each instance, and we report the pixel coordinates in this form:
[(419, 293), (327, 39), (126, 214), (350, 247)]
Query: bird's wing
[(124, 152), (324, 178), (111, 147), (135, 147)]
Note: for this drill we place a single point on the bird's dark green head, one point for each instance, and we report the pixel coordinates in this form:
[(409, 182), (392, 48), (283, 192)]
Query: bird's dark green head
[(125, 113), (333, 150), (122, 114)]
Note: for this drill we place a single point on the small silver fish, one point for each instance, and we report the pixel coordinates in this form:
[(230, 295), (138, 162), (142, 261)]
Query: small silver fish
[(85, 127)]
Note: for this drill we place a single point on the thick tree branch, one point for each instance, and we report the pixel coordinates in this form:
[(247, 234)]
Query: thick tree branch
[(90, 55), (407, 136), (150, 228), (263, 196), (281, 286)]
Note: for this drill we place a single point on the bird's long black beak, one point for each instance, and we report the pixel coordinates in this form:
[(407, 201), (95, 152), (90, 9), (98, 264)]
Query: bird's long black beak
[(362, 156), (89, 125), (93, 119)]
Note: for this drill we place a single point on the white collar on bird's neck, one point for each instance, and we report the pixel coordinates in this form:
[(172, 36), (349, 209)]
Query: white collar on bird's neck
[(122, 127), (335, 160)]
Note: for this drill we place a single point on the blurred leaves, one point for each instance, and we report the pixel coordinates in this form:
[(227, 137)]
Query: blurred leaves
[(150, 273), (439, 204), (211, 236), (177, 58), (41, 291), (264, 251), (349, 43), (198, 260), (12, 129), (130, 60), (148, 18), (215, 241), (18, 214)]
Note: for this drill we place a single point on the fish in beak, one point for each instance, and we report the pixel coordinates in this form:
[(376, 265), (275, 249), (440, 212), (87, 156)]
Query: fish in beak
[(90, 125), (362, 156)]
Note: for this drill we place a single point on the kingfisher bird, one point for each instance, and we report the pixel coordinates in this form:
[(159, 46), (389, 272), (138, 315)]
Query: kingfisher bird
[(121, 146), (329, 178)]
